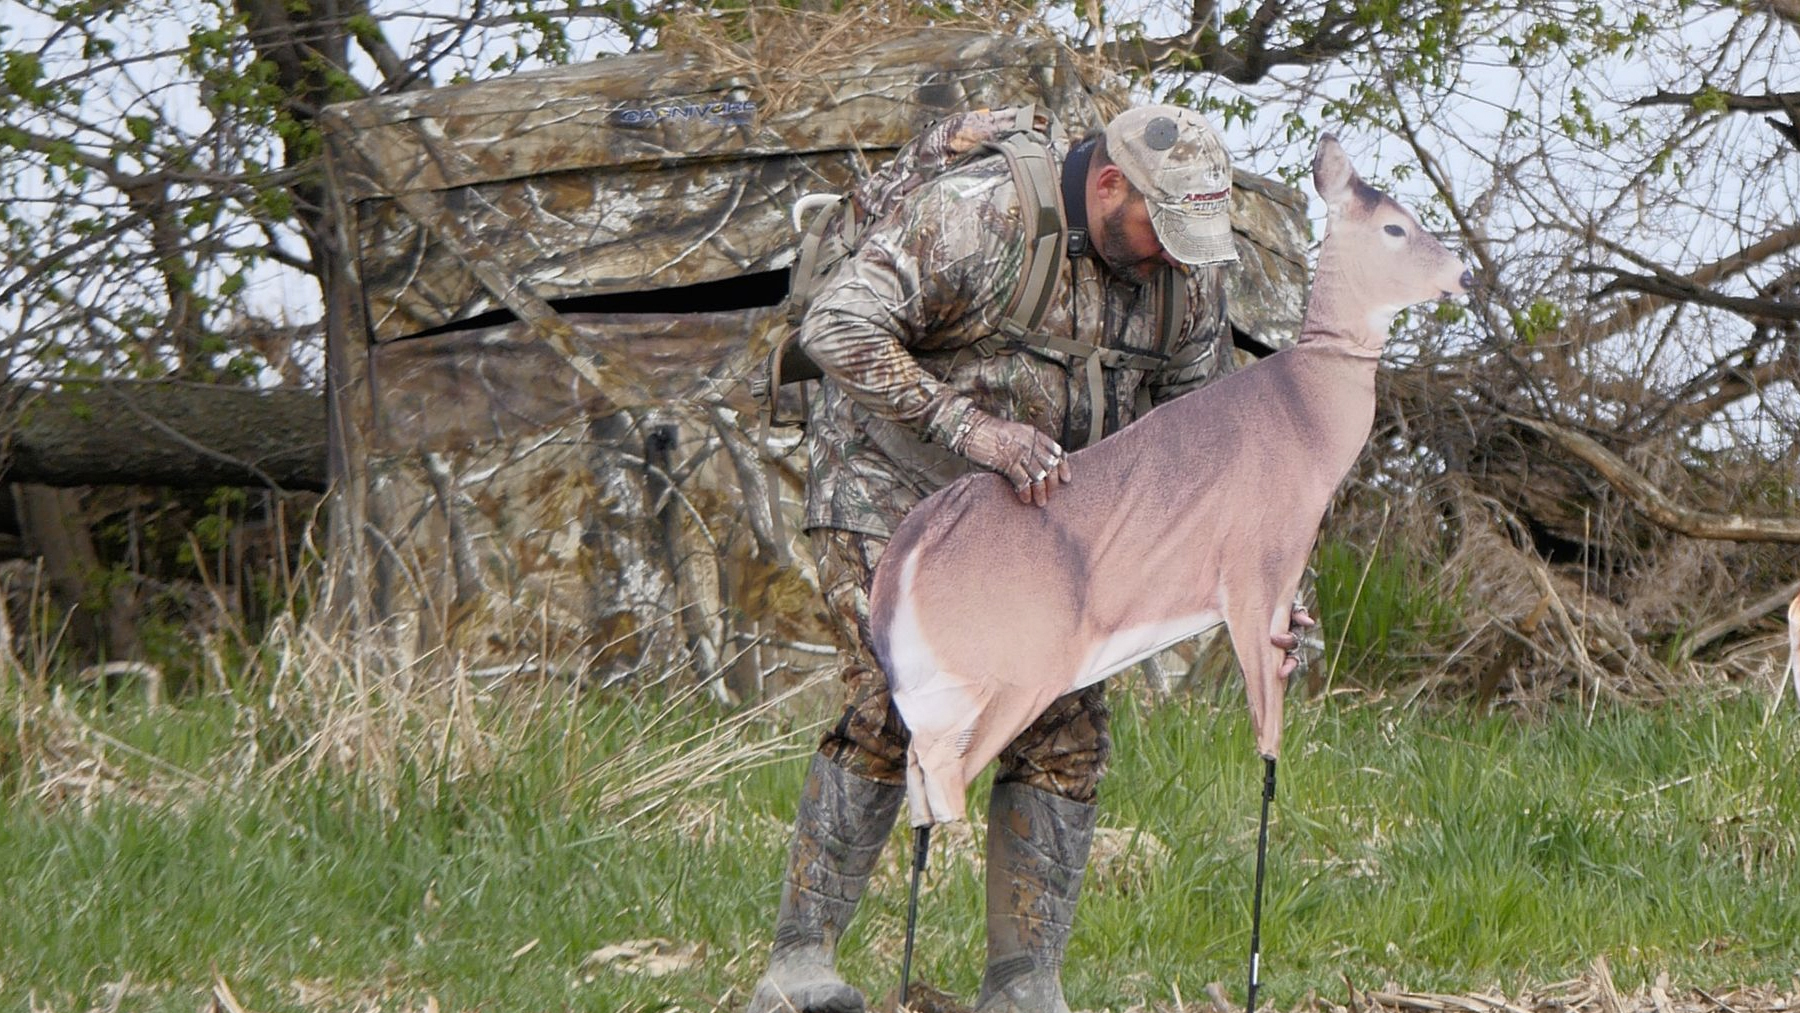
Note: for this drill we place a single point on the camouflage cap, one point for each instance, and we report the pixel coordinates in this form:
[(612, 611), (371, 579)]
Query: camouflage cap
[(1178, 162)]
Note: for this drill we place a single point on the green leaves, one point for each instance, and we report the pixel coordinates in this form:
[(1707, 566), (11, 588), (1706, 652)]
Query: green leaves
[(23, 75), (1579, 120), (363, 27), (1710, 100), (1540, 318)]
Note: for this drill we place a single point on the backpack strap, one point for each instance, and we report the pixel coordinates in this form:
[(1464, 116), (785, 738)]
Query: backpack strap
[(1034, 177), (1111, 358), (1040, 213), (1171, 310), (1171, 315), (1095, 360), (804, 276)]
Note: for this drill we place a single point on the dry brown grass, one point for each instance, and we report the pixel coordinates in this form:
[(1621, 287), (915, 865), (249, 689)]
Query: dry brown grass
[(781, 49), (317, 697), (1593, 992), (57, 757)]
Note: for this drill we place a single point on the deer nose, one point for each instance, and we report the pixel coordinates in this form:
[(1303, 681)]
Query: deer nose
[(1467, 281)]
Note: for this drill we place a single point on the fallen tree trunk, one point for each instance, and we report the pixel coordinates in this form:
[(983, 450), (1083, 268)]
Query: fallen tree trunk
[(1656, 504), (179, 435)]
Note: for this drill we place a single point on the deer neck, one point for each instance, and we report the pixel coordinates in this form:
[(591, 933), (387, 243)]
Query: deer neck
[(1341, 319)]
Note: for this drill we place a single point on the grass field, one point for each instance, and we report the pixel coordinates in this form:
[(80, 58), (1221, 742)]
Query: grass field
[(535, 851)]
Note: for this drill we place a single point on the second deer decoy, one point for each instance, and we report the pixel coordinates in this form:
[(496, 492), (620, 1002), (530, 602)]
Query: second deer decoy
[(984, 610), (1793, 665)]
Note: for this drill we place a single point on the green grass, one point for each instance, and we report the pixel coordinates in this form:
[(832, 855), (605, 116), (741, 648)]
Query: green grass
[(1425, 847), (1385, 610)]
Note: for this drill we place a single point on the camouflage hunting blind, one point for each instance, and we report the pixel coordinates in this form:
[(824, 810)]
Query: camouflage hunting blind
[(556, 285)]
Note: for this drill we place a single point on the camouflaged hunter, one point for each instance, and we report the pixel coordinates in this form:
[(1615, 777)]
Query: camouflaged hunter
[(915, 333)]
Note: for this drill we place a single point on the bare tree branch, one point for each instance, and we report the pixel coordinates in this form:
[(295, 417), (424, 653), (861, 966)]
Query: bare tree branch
[(1654, 503), (393, 69), (1740, 618), (1668, 285), (1773, 102), (1249, 57)]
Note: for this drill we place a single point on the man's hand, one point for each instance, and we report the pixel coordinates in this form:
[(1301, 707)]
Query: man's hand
[(1299, 621), (1028, 459)]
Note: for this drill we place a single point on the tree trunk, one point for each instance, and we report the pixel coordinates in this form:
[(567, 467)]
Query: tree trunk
[(101, 619), (179, 435)]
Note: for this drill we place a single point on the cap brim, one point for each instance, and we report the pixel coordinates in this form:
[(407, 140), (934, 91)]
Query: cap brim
[(1195, 239)]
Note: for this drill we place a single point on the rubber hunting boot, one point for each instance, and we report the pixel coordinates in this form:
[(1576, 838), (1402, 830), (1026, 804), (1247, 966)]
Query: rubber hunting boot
[(1037, 850), (841, 825)]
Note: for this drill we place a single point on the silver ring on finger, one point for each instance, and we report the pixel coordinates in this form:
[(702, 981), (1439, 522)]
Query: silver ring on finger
[(1040, 476)]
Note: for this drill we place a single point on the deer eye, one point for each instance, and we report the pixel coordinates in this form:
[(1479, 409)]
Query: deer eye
[(1395, 230)]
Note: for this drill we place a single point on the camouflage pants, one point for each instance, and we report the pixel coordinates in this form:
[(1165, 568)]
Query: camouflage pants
[(1064, 752)]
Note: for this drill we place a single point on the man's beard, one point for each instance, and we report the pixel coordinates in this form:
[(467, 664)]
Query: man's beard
[(1117, 258)]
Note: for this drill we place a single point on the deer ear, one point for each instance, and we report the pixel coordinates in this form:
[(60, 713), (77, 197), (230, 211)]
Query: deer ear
[(1332, 174)]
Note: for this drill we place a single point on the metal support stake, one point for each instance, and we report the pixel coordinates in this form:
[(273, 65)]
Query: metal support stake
[(1262, 844), (921, 842)]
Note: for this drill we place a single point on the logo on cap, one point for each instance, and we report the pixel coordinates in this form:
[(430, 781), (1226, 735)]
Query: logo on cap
[(1205, 202)]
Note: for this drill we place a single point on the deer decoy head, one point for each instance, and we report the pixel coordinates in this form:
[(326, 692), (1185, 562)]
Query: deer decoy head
[(1375, 259)]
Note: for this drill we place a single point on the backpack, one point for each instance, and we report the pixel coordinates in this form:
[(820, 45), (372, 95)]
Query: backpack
[(1023, 136)]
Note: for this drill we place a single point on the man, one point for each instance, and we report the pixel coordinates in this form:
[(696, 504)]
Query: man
[(916, 392)]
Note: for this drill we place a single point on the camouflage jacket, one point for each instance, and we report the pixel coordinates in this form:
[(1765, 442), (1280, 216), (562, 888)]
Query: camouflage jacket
[(892, 330)]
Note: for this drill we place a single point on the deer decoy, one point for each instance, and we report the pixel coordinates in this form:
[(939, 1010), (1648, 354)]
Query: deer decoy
[(984, 610), (1793, 665)]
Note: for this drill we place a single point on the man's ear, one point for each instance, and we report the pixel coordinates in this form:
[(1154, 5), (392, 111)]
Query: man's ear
[(1111, 186)]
